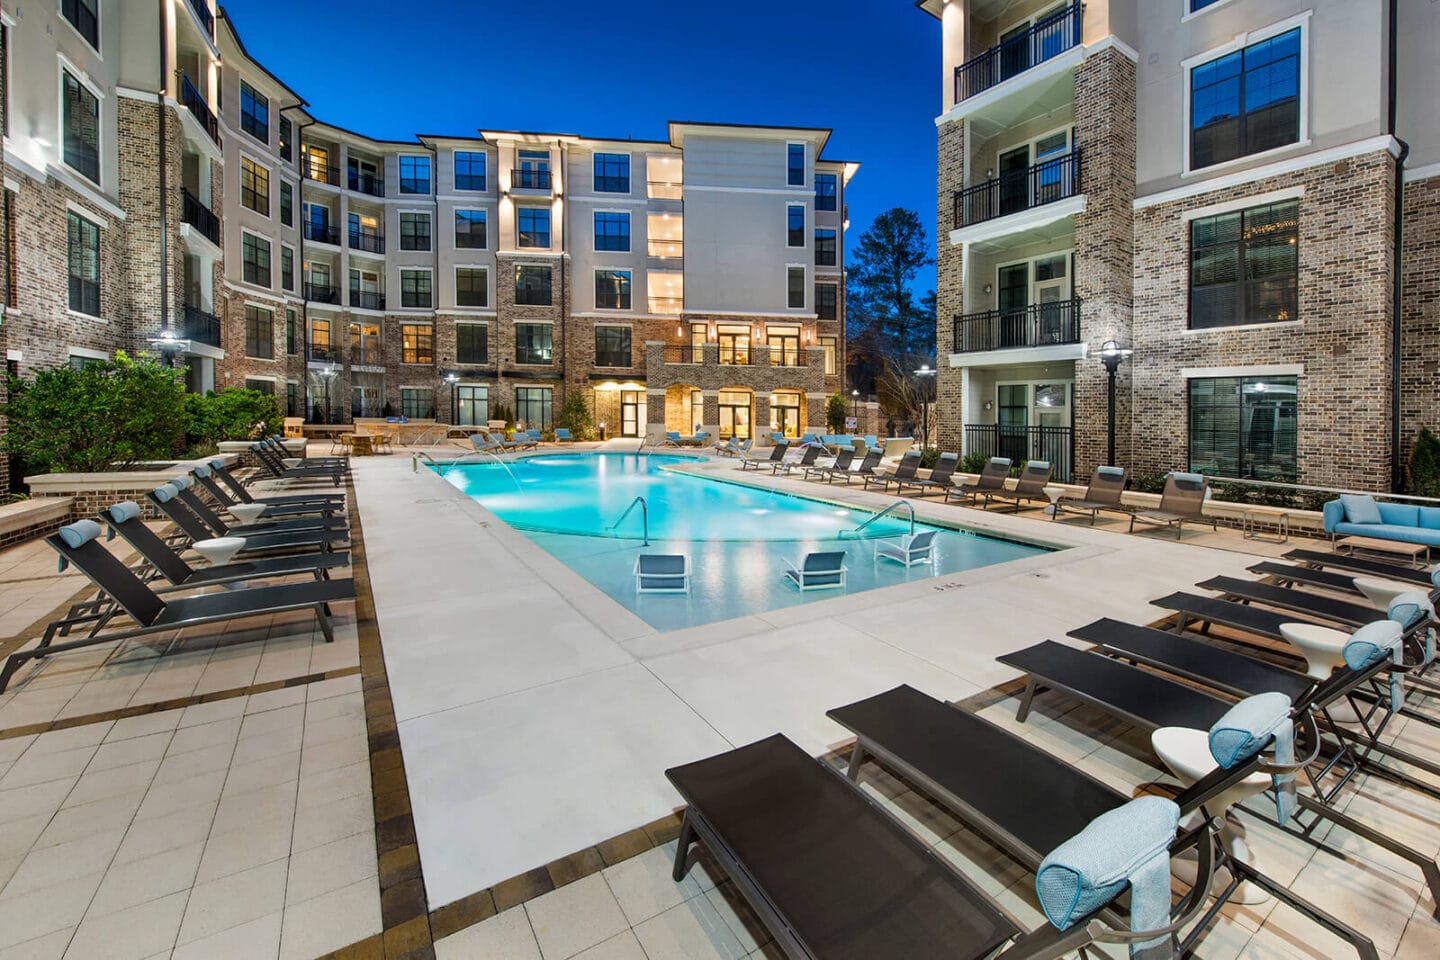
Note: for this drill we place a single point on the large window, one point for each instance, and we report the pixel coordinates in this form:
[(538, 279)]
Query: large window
[(612, 289), (259, 333), (1244, 427), (469, 171), (795, 287), (532, 286), (825, 252), (795, 164), (83, 257), (829, 345), (474, 404), (795, 225), (1244, 266), (82, 129), (414, 231), (612, 231), (255, 259), (290, 332), (612, 346), (287, 136), (287, 268), (472, 343), (470, 229), (417, 403), (254, 113), (266, 387), (826, 191), (533, 407), (532, 224), (417, 343), (414, 288), (532, 343), (612, 173), (287, 204), (826, 297), (1246, 102), (414, 174), (254, 186), (472, 287), (83, 15)]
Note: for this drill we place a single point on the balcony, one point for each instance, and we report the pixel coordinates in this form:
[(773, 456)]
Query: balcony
[(321, 352), (207, 19), (1046, 182), (1020, 443), (664, 190), (199, 216), (665, 249), (202, 327), (1014, 55), (1038, 325), (321, 173), (197, 106), (322, 233), (667, 305), (365, 183), (365, 356), (522, 179), (366, 300), (322, 293), (368, 242)]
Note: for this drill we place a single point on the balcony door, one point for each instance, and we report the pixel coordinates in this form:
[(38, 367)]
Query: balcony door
[(734, 344), (785, 413), (1052, 298), (1054, 178), (1013, 292), (1014, 180), (735, 414), (1015, 50)]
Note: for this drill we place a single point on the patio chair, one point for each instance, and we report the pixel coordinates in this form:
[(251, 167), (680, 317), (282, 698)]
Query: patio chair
[(1030, 488), (1183, 501), (278, 471), (536, 437), (1103, 493), (939, 478), (777, 454), (1362, 565), (822, 570), (1310, 604), (195, 529), (841, 462), (483, 442), (698, 439), (904, 470), (152, 613), (776, 437), (909, 549), (992, 477), (673, 437), (662, 573), (727, 449), (240, 492), (204, 475), (865, 470), (807, 459), (276, 445), (562, 435), (184, 491)]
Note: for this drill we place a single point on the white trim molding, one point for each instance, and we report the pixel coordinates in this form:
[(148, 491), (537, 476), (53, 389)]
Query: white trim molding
[(1029, 219), (1422, 173), (1242, 203), (1253, 370)]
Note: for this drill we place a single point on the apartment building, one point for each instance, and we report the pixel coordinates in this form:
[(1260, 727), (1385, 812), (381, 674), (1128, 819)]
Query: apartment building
[(1211, 185), (166, 192)]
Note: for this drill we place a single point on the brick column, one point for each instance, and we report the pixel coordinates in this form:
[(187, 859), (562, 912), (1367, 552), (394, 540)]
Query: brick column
[(949, 287), (1420, 312)]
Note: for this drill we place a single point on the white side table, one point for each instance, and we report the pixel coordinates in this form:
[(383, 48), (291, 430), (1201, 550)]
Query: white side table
[(1381, 592), (1281, 521), (1322, 647), (219, 550), (247, 512)]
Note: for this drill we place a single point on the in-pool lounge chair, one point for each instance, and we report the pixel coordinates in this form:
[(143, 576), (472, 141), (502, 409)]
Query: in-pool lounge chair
[(822, 570), (662, 573), (777, 455), (992, 477), (1182, 502), (909, 549), (937, 482), (1106, 486), (77, 544), (1030, 488), (904, 470)]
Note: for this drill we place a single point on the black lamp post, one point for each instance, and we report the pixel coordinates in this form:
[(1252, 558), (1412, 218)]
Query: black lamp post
[(926, 376), (1112, 355), (453, 379), (855, 406)]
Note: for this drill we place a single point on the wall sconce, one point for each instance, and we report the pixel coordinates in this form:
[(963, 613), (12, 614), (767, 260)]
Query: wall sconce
[(989, 405), (679, 331), (809, 336), (989, 288)]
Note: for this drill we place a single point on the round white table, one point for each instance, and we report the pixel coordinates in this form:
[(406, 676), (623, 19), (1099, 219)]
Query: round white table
[(247, 512), (219, 550), (1381, 592), (1322, 647)]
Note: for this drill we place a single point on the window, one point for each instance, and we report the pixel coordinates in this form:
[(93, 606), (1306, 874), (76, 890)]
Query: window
[(290, 332), (826, 300), (612, 231), (285, 138), (612, 346), (417, 343), (470, 229), (84, 17), (287, 268), (474, 404), (469, 171), (472, 287), (532, 343), (795, 287), (254, 186), (259, 333), (82, 129), (255, 259), (795, 225), (1244, 266), (83, 256), (532, 224), (612, 289), (287, 204), (825, 252), (612, 173), (1197, 5), (533, 407), (415, 288), (472, 343), (826, 191), (317, 164), (266, 387), (784, 346), (320, 340), (417, 403), (254, 113), (795, 174), (1246, 102), (414, 231), (414, 174), (292, 399), (829, 344), (532, 286), (533, 172), (1244, 427)]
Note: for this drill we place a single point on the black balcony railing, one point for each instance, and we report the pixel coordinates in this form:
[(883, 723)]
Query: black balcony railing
[(365, 183), (369, 242), (207, 19), (522, 179), (321, 173), (202, 327), (684, 353), (1017, 190), (195, 103), (1038, 325), (323, 352), (322, 232), (1015, 54), (366, 300), (199, 216), (322, 293), (1022, 443)]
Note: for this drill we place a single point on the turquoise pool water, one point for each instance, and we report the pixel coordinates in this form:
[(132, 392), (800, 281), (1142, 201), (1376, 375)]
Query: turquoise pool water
[(737, 537)]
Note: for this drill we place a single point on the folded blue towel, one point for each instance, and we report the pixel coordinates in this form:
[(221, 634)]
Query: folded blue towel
[(182, 483), (122, 511), (216, 464), (202, 471), (1410, 608), (1249, 727), (163, 494), (79, 533), (1375, 642), (1129, 845)]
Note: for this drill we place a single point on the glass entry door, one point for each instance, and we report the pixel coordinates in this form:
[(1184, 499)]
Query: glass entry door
[(474, 405), (734, 415), (632, 412), (785, 414)]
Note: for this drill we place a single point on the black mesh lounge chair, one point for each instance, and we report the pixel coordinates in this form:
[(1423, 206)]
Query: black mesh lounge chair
[(937, 482), (278, 447), (939, 748), (1030, 488), (992, 477), (1181, 502), (204, 476), (186, 495), (1361, 565), (842, 462), (1196, 612), (777, 454), (239, 491), (904, 470), (1106, 486), (866, 468), (77, 545), (807, 459), (195, 529), (271, 463), (1312, 605)]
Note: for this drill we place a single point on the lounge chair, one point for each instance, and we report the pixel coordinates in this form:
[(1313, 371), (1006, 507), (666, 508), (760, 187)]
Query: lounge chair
[(184, 491), (77, 545), (992, 477), (1361, 565), (1195, 612), (904, 470), (1030, 488), (909, 549), (939, 479), (1285, 574), (662, 573), (204, 475), (673, 437), (278, 471), (536, 437), (1106, 486), (777, 455), (240, 492), (276, 448), (697, 440), (865, 470), (1301, 601), (165, 500), (483, 442), (807, 459), (732, 447), (562, 435), (842, 462), (823, 570), (1182, 502)]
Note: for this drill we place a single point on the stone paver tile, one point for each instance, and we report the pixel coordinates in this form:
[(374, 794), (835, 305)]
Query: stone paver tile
[(241, 810), (575, 917), (330, 921), (322, 869), (233, 900), (18, 836), (89, 819), (643, 887), (622, 947), (144, 725), (694, 930), (120, 753), (187, 766), (48, 866), (56, 741), (738, 916), (12, 747), (212, 712), (201, 736), (256, 940), (49, 947), (45, 797), (100, 784), (186, 825), (337, 687), (284, 718), (165, 798), (274, 699), (323, 823), (25, 917), (131, 934), (138, 881), (335, 784), (505, 936), (250, 846), (40, 767), (336, 753), (8, 866), (266, 745), (344, 705), (332, 729), (254, 775)]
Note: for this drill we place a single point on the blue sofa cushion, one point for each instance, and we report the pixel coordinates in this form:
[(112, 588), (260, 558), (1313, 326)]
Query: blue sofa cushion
[(1360, 509), (1399, 514), (1429, 518)]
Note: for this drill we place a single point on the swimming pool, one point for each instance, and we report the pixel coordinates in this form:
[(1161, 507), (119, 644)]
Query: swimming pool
[(737, 537)]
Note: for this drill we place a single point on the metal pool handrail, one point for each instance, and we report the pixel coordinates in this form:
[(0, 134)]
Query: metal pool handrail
[(645, 516), (898, 503)]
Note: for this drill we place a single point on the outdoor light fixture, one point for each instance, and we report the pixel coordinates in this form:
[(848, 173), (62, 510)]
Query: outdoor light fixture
[(168, 344), (1112, 355), (925, 373)]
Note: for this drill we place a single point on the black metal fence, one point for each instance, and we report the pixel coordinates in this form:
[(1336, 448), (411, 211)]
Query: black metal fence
[(366, 300), (1055, 444), (365, 183), (198, 108), (322, 293), (1016, 190), (207, 19), (1038, 325), (1015, 54), (199, 216), (531, 179), (322, 232), (202, 327), (370, 242)]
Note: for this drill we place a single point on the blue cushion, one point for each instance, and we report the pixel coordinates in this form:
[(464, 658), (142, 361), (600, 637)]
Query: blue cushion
[(163, 494), (1429, 518), (1110, 471), (182, 483), (1410, 607), (1360, 509), (1248, 727), (1399, 514), (1386, 531), (80, 532), (1372, 643)]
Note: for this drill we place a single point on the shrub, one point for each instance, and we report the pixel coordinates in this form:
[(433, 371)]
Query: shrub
[(575, 416), (835, 413), (501, 412), (1423, 478), (233, 414), (1150, 483), (106, 415), (973, 462), (929, 457)]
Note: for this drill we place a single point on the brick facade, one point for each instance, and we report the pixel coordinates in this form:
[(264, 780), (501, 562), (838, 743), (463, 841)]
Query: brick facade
[(949, 288), (1420, 306)]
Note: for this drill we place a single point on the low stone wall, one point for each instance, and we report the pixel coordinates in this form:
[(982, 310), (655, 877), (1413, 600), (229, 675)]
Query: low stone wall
[(89, 493), (34, 518)]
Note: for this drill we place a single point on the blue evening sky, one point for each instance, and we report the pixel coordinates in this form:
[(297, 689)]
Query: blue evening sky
[(867, 69)]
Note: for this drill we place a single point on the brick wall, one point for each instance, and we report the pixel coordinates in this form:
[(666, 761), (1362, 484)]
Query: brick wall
[(1420, 310), (949, 287)]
